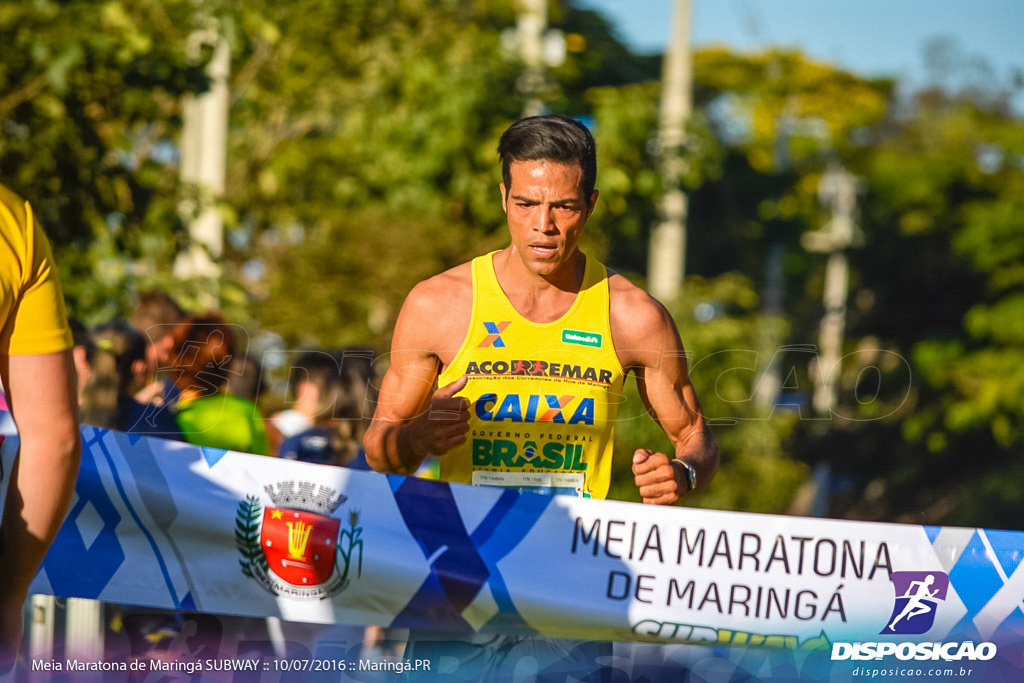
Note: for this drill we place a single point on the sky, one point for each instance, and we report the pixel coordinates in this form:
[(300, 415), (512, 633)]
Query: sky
[(868, 37)]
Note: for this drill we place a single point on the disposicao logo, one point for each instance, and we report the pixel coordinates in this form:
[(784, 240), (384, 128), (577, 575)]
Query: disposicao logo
[(922, 652), (918, 595), (917, 598)]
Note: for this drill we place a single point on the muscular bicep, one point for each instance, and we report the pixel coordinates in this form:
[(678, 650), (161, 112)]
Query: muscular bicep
[(651, 348), (649, 345)]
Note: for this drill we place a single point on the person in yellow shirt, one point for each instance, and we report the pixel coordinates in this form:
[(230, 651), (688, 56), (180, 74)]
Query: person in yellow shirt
[(530, 346), (41, 392)]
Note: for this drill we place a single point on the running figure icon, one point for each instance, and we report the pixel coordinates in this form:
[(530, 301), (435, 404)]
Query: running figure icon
[(916, 594)]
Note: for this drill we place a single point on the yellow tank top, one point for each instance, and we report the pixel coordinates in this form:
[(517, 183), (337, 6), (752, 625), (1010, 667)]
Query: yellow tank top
[(543, 396)]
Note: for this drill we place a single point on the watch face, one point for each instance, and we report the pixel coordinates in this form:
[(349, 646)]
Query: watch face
[(691, 476)]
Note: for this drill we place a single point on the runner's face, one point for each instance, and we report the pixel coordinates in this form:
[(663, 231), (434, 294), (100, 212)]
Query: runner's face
[(546, 212)]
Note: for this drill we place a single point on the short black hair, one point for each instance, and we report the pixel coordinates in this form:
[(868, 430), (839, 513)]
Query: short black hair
[(126, 344), (313, 365), (551, 137)]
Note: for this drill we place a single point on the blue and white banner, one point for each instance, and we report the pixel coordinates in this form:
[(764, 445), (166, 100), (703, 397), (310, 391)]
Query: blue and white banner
[(164, 524)]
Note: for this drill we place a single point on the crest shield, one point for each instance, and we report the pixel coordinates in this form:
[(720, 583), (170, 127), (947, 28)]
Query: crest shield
[(300, 546)]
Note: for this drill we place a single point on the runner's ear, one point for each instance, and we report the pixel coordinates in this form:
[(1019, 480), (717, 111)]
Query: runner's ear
[(592, 201)]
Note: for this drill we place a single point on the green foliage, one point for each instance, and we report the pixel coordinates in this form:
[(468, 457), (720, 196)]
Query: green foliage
[(91, 93), (941, 284), (362, 159), (356, 137), (398, 149), (769, 91), (625, 119), (972, 204), (247, 535)]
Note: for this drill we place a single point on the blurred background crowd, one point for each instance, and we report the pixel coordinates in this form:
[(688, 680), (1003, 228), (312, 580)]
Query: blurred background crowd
[(167, 373)]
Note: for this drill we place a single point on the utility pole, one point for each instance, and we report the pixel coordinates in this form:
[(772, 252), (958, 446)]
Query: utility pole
[(203, 163), (770, 382), (539, 48), (837, 190), (667, 247), (530, 26)]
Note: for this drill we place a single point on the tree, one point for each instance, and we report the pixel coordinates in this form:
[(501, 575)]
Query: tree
[(355, 137), (90, 108), (405, 152), (945, 287)]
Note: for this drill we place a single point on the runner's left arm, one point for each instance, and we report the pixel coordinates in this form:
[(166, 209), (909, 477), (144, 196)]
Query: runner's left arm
[(659, 363)]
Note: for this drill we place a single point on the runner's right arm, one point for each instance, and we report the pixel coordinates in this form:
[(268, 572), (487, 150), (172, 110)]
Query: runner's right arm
[(413, 420)]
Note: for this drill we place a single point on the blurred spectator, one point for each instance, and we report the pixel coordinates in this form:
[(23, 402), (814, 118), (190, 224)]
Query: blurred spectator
[(244, 378), (306, 381), (83, 352), (346, 396), (202, 350), (155, 315), (116, 371), (119, 371)]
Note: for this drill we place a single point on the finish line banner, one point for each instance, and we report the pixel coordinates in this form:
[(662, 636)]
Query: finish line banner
[(169, 525)]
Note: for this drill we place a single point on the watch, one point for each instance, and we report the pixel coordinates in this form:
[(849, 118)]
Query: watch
[(691, 475)]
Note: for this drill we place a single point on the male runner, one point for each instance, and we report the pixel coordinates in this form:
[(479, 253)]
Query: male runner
[(530, 346)]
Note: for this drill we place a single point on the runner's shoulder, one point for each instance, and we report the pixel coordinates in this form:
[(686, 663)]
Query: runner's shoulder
[(441, 293), (438, 308), (627, 297), (635, 314)]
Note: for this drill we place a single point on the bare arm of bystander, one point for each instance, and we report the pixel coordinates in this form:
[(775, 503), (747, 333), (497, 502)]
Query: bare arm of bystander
[(41, 393)]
